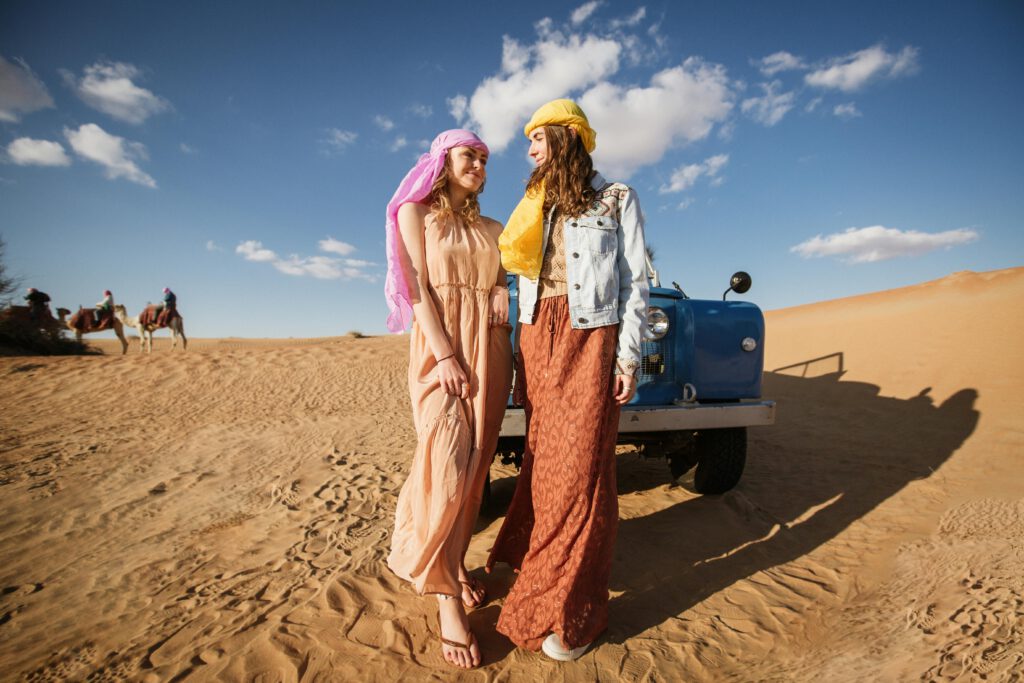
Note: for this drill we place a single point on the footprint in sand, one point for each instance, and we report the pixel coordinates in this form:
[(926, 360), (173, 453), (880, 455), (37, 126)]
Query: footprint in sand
[(68, 664), (287, 496), (380, 632), (336, 458), (924, 620), (115, 669)]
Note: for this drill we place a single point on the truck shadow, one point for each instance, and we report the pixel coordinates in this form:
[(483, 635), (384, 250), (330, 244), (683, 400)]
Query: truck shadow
[(837, 452)]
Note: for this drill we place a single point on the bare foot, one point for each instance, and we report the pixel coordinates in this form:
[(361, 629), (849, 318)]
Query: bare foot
[(458, 644), (473, 590)]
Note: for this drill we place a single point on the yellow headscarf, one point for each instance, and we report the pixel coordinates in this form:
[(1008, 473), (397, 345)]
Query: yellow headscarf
[(521, 241)]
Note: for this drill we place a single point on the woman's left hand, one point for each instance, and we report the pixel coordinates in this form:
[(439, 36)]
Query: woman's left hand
[(498, 314), (625, 387)]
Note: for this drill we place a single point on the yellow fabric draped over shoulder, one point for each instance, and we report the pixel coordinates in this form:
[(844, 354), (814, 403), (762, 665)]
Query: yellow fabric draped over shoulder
[(521, 240)]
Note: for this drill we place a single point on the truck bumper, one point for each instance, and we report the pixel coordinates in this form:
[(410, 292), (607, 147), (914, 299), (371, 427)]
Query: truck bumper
[(692, 416)]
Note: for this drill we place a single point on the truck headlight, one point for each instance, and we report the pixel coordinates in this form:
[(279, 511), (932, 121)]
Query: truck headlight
[(657, 323)]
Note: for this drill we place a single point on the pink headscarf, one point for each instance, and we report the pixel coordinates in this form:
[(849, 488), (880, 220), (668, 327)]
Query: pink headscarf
[(415, 187)]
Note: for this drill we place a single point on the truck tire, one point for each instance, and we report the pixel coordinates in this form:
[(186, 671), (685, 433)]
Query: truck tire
[(721, 456)]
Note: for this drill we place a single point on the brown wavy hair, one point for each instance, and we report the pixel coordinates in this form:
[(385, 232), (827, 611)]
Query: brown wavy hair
[(566, 173), (441, 204)]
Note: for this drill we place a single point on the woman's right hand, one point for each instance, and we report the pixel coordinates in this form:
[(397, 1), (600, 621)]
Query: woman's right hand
[(453, 379)]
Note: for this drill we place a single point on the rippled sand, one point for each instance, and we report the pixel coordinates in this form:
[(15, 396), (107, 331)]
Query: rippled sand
[(224, 513)]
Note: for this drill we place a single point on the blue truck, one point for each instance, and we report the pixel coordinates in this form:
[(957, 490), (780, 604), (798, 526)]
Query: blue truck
[(698, 386)]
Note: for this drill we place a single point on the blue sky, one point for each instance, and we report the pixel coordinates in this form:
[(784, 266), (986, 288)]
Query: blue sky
[(245, 159)]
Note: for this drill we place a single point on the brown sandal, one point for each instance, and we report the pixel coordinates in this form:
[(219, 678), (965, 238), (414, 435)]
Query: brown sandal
[(456, 644), (474, 585)]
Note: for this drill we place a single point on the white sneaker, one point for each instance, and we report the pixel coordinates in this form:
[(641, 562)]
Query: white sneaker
[(554, 649)]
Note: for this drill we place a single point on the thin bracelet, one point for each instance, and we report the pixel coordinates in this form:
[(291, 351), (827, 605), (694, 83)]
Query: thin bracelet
[(450, 355)]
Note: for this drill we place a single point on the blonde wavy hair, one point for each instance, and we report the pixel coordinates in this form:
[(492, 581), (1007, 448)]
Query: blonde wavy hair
[(565, 174), (441, 203)]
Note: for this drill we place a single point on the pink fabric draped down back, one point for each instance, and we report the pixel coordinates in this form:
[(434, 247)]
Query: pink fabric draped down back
[(415, 187)]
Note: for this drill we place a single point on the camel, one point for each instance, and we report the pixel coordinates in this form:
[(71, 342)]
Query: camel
[(118, 328), (176, 325), (23, 314)]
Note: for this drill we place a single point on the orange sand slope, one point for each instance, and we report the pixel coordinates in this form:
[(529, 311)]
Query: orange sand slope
[(224, 514)]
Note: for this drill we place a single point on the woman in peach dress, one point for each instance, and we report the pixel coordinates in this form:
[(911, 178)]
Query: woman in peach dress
[(445, 277)]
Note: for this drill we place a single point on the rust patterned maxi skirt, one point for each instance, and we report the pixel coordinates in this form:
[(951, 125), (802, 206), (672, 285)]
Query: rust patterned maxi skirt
[(559, 532)]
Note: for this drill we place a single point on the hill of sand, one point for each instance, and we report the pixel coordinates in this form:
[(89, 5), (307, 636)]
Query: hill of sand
[(224, 514)]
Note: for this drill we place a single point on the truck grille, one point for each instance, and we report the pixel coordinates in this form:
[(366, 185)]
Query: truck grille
[(655, 361)]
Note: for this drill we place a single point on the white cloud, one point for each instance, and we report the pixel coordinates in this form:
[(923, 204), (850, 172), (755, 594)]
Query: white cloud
[(779, 61), (188, 149), (458, 107), (637, 125), (878, 243), (685, 204), (109, 87), (583, 12), (399, 143), (117, 155), (632, 20), (383, 122), (771, 107), (252, 250), (905, 63), (319, 267), (685, 177), (530, 75), (846, 111), (21, 91), (852, 72), (212, 246), (31, 152), (334, 246), (813, 104), (338, 140), (424, 111)]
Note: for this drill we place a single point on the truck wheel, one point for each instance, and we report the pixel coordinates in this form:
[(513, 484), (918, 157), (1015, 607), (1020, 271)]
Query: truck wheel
[(681, 461), (721, 455)]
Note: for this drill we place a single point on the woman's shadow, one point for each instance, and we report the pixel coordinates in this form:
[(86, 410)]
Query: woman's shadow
[(838, 450)]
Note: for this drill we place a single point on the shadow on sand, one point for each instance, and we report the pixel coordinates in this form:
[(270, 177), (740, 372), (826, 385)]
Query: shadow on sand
[(837, 451)]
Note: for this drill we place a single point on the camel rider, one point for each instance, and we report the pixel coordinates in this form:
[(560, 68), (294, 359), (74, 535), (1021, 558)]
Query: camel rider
[(38, 304), (104, 308), (167, 307)]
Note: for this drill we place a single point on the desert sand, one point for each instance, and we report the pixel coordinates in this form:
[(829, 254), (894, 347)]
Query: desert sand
[(224, 513)]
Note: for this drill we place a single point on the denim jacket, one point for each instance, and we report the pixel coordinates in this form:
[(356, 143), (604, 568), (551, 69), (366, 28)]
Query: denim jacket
[(606, 268)]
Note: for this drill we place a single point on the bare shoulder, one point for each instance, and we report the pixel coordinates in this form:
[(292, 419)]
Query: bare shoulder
[(413, 211), (492, 226)]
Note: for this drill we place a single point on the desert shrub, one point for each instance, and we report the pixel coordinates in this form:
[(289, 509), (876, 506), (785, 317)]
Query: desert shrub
[(18, 336)]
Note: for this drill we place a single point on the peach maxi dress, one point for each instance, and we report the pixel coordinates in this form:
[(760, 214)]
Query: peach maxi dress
[(456, 438)]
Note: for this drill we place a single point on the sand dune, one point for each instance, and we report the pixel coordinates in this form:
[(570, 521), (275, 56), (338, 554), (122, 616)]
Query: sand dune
[(224, 514)]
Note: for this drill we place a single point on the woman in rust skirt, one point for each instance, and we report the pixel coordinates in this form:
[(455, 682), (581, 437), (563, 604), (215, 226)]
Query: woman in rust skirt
[(576, 240)]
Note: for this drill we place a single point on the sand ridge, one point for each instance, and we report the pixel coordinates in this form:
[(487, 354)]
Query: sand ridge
[(224, 513)]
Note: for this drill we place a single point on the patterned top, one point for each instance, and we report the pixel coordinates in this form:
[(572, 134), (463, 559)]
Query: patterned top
[(553, 280)]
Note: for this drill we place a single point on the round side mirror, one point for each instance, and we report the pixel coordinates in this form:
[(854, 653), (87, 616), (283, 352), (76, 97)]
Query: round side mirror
[(740, 282)]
